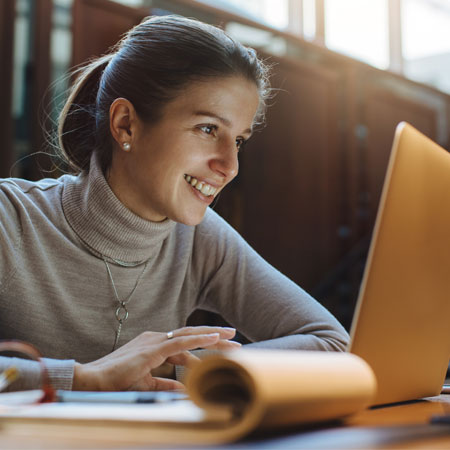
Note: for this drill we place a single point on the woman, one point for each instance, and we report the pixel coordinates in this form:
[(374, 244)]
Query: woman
[(98, 267)]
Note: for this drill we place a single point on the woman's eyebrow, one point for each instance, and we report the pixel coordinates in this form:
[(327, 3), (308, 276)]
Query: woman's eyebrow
[(225, 121)]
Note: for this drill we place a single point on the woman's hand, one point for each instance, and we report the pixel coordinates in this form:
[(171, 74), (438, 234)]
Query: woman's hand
[(129, 367)]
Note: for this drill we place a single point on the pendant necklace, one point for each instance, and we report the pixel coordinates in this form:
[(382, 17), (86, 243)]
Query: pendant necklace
[(122, 311)]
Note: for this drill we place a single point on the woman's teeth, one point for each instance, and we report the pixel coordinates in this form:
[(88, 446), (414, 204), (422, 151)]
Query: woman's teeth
[(204, 188)]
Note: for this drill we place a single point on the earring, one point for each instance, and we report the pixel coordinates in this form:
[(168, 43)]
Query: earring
[(126, 146)]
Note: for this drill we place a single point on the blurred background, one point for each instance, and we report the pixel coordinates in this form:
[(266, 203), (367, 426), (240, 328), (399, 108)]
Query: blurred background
[(347, 72)]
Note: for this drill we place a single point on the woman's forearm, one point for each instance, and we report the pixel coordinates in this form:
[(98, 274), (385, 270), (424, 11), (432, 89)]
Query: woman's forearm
[(336, 341)]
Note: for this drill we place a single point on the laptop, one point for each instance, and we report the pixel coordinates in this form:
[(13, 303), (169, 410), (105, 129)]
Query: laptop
[(401, 325)]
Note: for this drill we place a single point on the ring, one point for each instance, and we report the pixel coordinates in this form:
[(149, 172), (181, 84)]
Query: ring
[(169, 335)]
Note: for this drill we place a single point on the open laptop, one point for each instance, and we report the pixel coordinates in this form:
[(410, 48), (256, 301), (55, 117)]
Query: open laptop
[(401, 326)]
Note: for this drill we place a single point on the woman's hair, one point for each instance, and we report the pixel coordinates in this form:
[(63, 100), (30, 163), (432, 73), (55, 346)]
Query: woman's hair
[(149, 67)]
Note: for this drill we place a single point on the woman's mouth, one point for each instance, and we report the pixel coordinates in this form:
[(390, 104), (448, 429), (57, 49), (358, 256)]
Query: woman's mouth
[(205, 188)]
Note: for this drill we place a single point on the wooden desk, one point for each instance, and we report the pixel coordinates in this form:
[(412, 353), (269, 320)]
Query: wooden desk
[(393, 427)]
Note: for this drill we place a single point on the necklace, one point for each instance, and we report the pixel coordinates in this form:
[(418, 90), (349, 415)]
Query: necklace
[(122, 311)]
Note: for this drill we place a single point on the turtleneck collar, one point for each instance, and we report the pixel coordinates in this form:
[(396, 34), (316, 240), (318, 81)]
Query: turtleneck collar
[(106, 226)]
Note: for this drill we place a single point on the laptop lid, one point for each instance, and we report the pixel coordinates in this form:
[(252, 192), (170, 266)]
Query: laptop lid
[(401, 325)]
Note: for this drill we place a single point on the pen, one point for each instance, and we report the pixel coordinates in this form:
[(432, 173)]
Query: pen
[(8, 376), (441, 419), (119, 397)]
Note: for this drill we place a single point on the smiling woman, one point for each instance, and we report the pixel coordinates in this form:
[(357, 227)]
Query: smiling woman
[(100, 269)]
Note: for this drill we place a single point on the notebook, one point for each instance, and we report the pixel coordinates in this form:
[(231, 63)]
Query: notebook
[(401, 325)]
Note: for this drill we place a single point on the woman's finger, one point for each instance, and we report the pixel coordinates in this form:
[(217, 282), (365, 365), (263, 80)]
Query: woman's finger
[(177, 345), (149, 383), (186, 359), (165, 384), (225, 345), (224, 332)]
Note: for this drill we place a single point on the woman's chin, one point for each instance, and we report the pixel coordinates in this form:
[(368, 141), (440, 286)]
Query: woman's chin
[(191, 219)]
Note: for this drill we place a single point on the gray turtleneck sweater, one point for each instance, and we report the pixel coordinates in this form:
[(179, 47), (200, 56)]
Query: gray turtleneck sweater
[(56, 294)]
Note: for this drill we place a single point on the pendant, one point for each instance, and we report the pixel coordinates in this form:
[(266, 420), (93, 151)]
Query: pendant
[(121, 316), (116, 340), (121, 313)]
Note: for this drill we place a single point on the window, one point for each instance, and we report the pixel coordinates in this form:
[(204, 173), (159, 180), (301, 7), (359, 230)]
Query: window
[(358, 28), (272, 12), (417, 44), (426, 41)]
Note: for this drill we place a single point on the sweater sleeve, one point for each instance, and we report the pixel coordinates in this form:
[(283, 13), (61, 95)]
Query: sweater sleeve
[(60, 371), (10, 235), (251, 295)]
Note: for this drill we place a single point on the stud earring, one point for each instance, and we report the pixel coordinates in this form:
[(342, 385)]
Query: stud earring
[(126, 146)]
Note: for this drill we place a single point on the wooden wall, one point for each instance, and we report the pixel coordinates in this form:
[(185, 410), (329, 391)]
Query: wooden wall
[(290, 174), (7, 14), (38, 80), (98, 25)]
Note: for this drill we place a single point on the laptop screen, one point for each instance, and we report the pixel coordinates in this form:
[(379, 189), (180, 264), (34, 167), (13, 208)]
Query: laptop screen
[(401, 325)]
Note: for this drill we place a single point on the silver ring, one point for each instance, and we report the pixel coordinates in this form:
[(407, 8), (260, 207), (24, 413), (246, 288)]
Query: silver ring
[(169, 335)]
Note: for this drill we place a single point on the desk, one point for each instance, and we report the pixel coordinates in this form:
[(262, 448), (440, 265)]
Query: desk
[(394, 427)]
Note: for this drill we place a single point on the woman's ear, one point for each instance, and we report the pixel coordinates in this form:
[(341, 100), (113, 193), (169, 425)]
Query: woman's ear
[(122, 123)]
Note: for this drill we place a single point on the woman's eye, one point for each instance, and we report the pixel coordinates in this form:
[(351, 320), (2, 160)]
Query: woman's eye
[(240, 143), (208, 129)]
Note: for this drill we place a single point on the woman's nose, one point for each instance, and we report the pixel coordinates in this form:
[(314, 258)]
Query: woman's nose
[(225, 161)]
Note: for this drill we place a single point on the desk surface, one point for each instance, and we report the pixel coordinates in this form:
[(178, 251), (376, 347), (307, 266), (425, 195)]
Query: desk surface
[(398, 426)]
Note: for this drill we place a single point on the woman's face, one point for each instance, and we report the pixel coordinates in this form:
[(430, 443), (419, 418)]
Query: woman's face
[(177, 166)]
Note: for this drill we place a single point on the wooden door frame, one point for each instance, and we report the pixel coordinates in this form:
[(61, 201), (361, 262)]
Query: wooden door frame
[(7, 20)]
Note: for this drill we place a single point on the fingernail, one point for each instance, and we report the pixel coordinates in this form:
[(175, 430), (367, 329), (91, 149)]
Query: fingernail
[(230, 328), (213, 335)]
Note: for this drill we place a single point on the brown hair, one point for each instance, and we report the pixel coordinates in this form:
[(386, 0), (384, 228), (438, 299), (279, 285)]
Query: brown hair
[(152, 63)]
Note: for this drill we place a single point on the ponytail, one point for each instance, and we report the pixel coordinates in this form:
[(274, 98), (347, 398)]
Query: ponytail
[(78, 135)]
